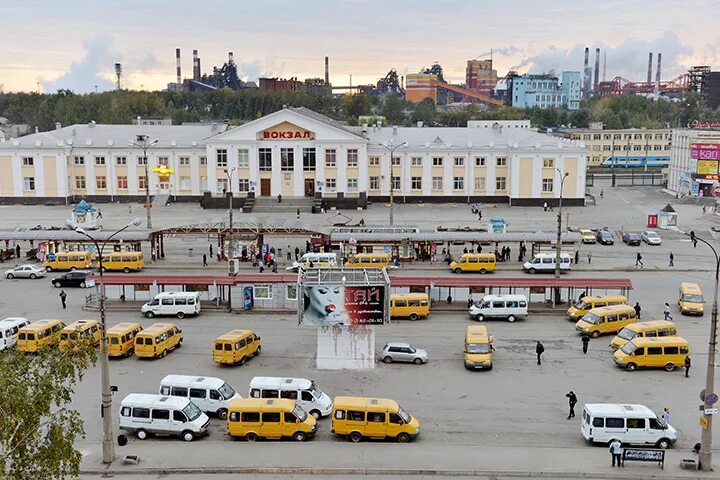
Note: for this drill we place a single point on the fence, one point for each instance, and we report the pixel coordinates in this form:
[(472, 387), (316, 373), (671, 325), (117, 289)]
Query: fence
[(628, 179)]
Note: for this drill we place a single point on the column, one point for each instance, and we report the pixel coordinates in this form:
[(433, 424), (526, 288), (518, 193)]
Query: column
[(276, 174), (39, 164)]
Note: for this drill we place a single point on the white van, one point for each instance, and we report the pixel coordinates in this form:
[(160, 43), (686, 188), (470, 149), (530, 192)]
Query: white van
[(318, 260), (147, 414), (210, 394), (545, 262), (9, 329), (631, 424), (179, 304), (510, 307), (303, 391)]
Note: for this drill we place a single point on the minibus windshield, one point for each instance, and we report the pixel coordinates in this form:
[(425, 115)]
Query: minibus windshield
[(693, 298), (315, 391), (581, 305), (628, 348), (191, 411), (404, 415), (226, 391), (478, 348), (591, 318), (627, 334), (154, 301), (300, 413)]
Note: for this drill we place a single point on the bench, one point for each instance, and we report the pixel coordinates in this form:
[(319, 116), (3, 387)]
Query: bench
[(31, 254), (644, 455), (7, 254)]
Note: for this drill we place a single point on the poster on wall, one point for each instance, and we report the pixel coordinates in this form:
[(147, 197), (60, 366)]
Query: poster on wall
[(705, 151), (707, 167), (248, 298), (343, 305)]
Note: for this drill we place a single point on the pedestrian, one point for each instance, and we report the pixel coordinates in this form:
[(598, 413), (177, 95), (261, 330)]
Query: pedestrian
[(63, 296), (638, 260), (544, 206), (507, 254), (479, 216), (274, 267), (465, 250), (637, 310), (577, 257), (470, 302), (297, 253), (298, 213), (572, 400), (279, 197), (130, 209), (666, 416), (261, 266), (602, 193), (589, 257), (672, 260), (17, 251), (211, 251), (582, 295), (666, 312), (289, 253), (616, 452), (539, 349), (585, 341), (479, 248), (99, 213), (688, 364), (204, 260)]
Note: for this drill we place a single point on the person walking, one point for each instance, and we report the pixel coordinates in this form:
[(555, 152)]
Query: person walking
[(577, 257), (616, 452), (289, 253), (585, 341), (17, 251), (602, 193), (470, 302), (638, 260), (129, 209), (637, 310), (582, 295), (279, 197), (99, 213), (298, 213), (261, 265), (63, 296), (544, 206), (539, 349), (666, 312), (665, 416), (688, 364), (211, 251), (589, 257), (297, 253), (572, 401), (479, 216), (672, 260)]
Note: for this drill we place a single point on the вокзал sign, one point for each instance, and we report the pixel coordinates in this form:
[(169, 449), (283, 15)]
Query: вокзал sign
[(286, 131)]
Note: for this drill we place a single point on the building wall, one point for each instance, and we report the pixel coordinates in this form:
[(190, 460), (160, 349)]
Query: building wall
[(601, 143), (683, 171), (546, 91)]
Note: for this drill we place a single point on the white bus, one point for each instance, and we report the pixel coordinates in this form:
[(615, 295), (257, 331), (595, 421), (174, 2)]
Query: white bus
[(631, 424), (178, 304), (545, 262), (303, 391), (9, 330), (147, 414), (210, 394)]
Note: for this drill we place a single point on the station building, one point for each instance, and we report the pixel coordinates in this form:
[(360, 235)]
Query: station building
[(624, 146), (295, 152), (695, 161)]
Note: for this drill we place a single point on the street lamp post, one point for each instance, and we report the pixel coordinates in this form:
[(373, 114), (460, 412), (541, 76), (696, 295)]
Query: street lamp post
[(108, 449), (390, 148), (230, 199), (705, 457), (142, 143), (558, 248)]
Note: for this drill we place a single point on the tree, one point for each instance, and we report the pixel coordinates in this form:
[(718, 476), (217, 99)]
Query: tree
[(424, 111), (37, 429), (392, 109)]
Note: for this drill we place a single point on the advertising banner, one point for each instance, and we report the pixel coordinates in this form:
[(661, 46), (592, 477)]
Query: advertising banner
[(707, 167), (705, 151), (343, 305)]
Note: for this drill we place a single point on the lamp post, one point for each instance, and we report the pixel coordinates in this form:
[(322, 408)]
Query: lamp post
[(563, 176), (230, 199), (390, 148), (142, 143), (705, 457), (108, 449)]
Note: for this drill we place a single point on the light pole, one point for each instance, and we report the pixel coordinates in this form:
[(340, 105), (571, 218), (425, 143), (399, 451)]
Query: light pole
[(390, 148), (142, 143), (705, 457), (230, 197), (108, 449), (563, 176)]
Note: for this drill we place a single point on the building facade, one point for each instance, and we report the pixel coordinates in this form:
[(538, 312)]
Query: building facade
[(296, 152), (544, 91), (694, 159), (621, 147)]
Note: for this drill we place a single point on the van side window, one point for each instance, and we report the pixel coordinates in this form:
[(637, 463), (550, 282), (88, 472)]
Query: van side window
[(500, 304), (179, 416), (401, 303), (139, 412), (339, 414), (307, 396), (250, 417), (218, 346), (639, 352), (511, 304), (636, 423), (255, 393), (612, 318), (523, 303), (615, 422), (654, 351), (179, 392), (242, 343), (598, 422), (395, 418), (684, 350), (166, 301), (671, 350), (473, 260), (228, 347), (161, 414), (191, 301), (271, 417), (377, 417), (355, 416), (651, 333), (599, 304), (414, 303), (164, 390), (197, 393), (291, 394), (270, 394), (215, 395), (655, 424), (181, 301), (234, 416), (125, 412), (624, 316), (289, 417)]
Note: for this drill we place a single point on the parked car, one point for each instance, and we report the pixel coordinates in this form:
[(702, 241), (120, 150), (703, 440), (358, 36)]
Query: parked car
[(26, 271), (651, 237), (605, 238), (587, 235), (76, 278), (403, 352), (631, 238)]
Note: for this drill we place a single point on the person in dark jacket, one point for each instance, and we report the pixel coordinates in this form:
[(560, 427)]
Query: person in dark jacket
[(585, 341), (539, 349), (572, 401), (637, 310)]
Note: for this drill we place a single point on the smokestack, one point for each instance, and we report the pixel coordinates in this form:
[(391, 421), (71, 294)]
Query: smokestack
[(649, 78), (199, 69), (230, 57), (177, 66), (586, 73), (657, 75), (604, 65), (195, 65), (327, 70), (597, 70)]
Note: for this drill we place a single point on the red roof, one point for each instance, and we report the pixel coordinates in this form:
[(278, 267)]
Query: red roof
[(144, 279)]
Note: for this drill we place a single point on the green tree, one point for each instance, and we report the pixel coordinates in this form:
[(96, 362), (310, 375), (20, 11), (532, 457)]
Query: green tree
[(424, 111), (37, 428), (392, 109)]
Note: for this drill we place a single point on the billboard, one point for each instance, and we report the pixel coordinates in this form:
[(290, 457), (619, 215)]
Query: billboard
[(705, 151), (329, 304), (707, 167)]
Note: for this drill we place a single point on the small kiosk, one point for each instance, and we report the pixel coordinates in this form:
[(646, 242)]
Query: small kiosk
[(667, 217), (85, 216)]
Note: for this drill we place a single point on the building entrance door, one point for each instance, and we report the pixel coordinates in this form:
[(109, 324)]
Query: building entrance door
[(309, 187), (265, 187)]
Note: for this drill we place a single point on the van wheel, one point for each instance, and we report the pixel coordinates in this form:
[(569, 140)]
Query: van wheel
[(457, 270), (403, 438), (257, 352), (669, 367), (49, 269), (413, 316), (299, 436), (188, 436), (126, 270), (483, 271), (251, 437), (480, 317), (163, 354), (56, 284), (222, 414), (180, 315), (242, 361), (631, 367), (663, 443), (141, 434), (418, 361), (72, 269), (149, 314), (387, 359), (531, 271), (316, 414), (355, 437), (511, 318), (595, 334), (82, 285), (103, 269)]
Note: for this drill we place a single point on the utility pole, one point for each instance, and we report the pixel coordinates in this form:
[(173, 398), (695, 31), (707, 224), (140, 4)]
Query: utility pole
[(390, 148), (558, 248), (230, 199), (142, 143)]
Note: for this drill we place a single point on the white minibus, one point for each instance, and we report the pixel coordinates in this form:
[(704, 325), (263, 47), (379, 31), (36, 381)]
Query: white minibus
[(178, 304), (147, 414), (631, 424), (315, 260), (210, 394), (303, 391), (510, 307), (545, 262), (9, 330)]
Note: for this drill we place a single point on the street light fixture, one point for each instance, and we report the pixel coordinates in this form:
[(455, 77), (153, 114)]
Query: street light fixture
[(108, 448), (230, 198), (142, 143), (558, 248), (390, 148)]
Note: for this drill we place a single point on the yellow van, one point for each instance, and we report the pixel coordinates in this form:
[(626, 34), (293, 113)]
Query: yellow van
[(358, 417), (42, 333), (691, 301), (124, 261), (236, 346), (157, 340), (121, 339), (653, 328), (409, 305), (478, 348), (604, 320), (80, 330), (368, 260), (253, 418), (652, 352), (68, 261), (474, 262), (583, 306)]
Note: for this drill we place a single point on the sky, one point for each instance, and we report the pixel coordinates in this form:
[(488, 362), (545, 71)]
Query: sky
[(74, 44)]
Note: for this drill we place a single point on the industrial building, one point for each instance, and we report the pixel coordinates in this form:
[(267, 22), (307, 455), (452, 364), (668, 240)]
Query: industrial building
[(430, 83), (296, 152), (623, 147), (694, 159), (544, 91)]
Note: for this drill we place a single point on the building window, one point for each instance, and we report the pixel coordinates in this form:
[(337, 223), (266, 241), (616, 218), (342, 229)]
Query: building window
[(374, 161), (500, 183), (437, 161), (437, 183), (606, 148), (203, 160), (287, 159), (637, 136), (184, 161), (395, 183), (142, 182), (243, 158), (330, 184), (617, 136), (80, 181), (458, 183), (597, 136), (244, 185), (480, 184), (262, 292), (163, 160), (27, 161), (222, 185), (479, 161), (586, 136), (330, 158), (547, 185), (79, 160), (501, 161), (265, 159), (668, 147), (416, 161), (352, 157), (637, 147), (29, 184), (658, 136), (120, 160), (184, 183), (122, 183), (99, 160), (374, 183), (459, 161), (657, 147), (291, 292), (607, 136), (396, 161), (221, 157), (142, 161), (550, 162), (101, 182), (416, 183), (309, 161), (352, 185)]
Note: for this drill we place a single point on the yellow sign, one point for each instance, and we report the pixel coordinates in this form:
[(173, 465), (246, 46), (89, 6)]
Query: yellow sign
[(707, 167), (286, 131), (703, 422)]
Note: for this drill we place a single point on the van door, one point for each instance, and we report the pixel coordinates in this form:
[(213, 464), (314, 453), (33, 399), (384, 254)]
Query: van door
[(636, 431), (376, 424), (166, 307), (161, 421), (215, 401), (178, 421), (615, 427), (199, 397), (271, 425), (655, 430), (394, 425)]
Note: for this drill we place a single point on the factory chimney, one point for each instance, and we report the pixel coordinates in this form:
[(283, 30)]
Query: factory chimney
[(649, 78), (327, 70), (597, 70), (199, 72), (657, 76), (231, 60), (586, 74), (177, 66), (195, 65)]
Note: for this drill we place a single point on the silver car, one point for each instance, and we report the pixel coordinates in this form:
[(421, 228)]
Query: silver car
[(26, 271), (403, 352), (651, 238)]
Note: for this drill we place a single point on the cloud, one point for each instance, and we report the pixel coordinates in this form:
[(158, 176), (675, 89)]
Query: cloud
[(82, 76), (249, 71)]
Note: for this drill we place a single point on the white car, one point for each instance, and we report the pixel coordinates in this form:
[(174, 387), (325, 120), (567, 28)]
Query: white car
[(26, 271), (651, 237), (403, 352)]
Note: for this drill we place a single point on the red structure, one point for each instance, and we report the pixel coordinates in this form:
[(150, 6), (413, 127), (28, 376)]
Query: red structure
[(623, 86)]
